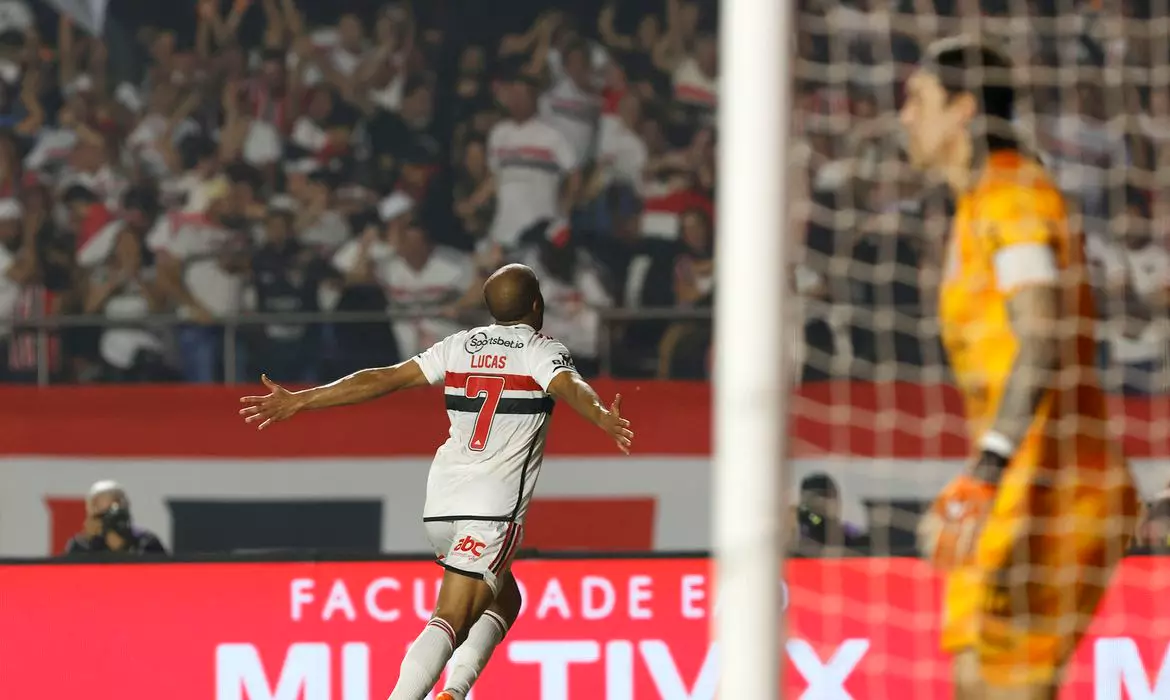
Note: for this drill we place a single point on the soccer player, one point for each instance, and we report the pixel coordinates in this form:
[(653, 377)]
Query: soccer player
[(1030, 532), (499, 383)]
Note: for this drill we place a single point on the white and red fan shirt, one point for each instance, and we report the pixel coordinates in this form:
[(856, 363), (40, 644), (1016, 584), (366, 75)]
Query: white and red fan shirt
[(495, 381), (529, 160), (574, 112), (199, 244), (663, 206), (440, 281), (695, 88)]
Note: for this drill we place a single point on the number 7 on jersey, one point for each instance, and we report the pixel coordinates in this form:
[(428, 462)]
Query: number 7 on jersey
[(491, 389)]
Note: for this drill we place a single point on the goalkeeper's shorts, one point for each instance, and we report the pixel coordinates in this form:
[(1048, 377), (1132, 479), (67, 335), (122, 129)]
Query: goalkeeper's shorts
[(1043, 563)]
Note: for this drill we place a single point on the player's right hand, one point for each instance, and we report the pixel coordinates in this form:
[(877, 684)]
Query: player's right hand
[(949, 532), (617, 427), (279, 405)]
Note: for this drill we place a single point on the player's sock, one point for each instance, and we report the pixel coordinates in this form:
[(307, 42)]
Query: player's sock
[(472, 655), (424, 661)]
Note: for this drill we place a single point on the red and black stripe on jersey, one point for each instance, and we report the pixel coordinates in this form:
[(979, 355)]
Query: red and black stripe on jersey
[(514, 405)]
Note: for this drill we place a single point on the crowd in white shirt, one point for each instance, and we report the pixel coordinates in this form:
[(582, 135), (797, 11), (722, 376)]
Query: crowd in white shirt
[(304, 170)]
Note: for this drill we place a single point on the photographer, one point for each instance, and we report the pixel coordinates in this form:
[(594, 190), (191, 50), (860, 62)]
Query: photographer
[(108, 527), (820, 530)]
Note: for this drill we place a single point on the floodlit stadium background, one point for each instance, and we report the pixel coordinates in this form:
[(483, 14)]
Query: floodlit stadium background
[(297, 574)]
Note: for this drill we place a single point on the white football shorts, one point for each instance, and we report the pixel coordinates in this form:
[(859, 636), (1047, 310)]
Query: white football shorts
[(480, 549)]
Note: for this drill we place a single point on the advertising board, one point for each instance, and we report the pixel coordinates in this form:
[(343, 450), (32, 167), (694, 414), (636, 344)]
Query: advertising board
[(616, 629)]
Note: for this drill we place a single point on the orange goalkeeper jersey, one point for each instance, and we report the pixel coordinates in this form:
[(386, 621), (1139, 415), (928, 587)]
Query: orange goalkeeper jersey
[(1014, 203)]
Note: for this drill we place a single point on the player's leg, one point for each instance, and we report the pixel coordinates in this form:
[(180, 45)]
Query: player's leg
[(1019, 653), (477, 554), (1078, 534), (486, 634), (462, 599)]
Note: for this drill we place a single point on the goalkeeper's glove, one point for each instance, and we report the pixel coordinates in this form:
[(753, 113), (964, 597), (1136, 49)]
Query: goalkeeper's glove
[(949, 532)]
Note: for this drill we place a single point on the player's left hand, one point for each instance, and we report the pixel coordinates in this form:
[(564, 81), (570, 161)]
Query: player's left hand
[(617, 427), (279, 405), (949, 532)]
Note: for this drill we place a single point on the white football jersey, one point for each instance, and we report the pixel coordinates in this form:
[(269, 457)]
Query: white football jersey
[(495, 381)]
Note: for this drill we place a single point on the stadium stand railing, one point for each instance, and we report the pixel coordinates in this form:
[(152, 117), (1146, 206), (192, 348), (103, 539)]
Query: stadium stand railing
[(233, 325)]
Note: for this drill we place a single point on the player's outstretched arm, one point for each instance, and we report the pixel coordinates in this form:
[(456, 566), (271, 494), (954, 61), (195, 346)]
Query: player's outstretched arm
[(364, 385), (575, 391)]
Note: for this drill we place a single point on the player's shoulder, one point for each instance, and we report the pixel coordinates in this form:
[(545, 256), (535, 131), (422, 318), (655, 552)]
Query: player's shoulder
[(458, 339), (545, 350), (540, 340), (538, 344), (1014, 185), (460, 334)]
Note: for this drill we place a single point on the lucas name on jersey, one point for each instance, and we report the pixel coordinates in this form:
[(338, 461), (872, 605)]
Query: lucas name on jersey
[(489, 362)]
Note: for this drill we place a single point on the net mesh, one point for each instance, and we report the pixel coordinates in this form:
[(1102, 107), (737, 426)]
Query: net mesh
[(876, 411)]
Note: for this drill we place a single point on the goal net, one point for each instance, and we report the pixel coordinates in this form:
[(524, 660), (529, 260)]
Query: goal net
[(876, 426)]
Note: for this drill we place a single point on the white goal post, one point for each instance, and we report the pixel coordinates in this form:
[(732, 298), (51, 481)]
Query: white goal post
[(751, 353)]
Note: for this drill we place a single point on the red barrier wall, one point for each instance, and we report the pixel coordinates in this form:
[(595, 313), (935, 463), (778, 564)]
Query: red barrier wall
[(891, 420)]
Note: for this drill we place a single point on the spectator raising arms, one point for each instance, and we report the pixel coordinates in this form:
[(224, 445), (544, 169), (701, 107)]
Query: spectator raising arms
[(572, 106), (535, 167), (210, 170), (641, 44), (690, 57), (622, 154)]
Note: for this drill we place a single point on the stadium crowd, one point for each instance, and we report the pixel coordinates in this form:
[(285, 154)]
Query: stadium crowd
[(1096, 110), (373, 160), (318, 168), (217, 161)]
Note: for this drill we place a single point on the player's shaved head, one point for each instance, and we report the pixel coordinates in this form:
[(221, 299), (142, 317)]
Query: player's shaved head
[(512, 294)]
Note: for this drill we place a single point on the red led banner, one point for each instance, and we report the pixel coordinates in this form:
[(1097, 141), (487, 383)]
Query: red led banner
[(591, 630)]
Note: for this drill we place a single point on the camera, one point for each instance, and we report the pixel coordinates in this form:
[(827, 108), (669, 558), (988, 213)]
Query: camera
[(812, 524), (116, 519)]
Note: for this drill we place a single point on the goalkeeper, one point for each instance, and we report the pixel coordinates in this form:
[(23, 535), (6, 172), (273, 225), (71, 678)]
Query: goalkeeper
[(1031, 531)]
